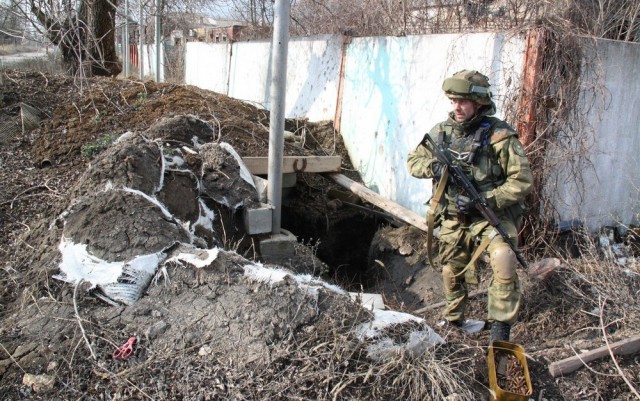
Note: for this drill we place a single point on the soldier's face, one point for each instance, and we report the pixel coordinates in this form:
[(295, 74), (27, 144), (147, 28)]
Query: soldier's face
[(464, 109)]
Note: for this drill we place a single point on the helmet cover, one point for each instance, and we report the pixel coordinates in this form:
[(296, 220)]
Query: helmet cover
[(468, 84)]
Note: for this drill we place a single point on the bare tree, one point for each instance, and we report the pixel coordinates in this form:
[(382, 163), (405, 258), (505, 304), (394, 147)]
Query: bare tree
[(10, 24), (611, 19), (356, 17), (252, 12), (84, 31)]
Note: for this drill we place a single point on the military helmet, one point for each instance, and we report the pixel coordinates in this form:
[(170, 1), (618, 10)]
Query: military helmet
[(468, 84)]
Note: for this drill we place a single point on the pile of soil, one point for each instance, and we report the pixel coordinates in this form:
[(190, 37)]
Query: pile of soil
[(208, 331)]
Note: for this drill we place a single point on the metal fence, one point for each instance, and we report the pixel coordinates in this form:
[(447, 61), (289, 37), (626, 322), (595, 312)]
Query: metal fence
[(18, 119)]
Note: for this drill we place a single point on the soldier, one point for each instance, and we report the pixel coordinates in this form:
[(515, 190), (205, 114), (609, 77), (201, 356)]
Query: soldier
[(490, 153)]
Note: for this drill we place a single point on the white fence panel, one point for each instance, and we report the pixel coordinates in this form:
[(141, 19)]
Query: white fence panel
[(610, 192), (207, 65)]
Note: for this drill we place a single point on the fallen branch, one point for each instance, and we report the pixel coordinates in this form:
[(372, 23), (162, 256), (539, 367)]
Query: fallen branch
[(75, 308), (12, 358), (615, 361), (20, 195), (627, 346)]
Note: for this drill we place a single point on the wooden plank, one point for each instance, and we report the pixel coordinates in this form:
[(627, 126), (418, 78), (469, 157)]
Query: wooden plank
[(628, 346), (393, 208), (294, 164)]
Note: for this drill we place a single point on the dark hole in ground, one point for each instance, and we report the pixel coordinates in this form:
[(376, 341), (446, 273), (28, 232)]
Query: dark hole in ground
[(342, 241)]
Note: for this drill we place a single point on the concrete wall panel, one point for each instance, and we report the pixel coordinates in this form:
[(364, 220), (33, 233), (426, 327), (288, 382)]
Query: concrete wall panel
[(312, 77), (207, 65), (250, 72), (313, 68), (610, 191)]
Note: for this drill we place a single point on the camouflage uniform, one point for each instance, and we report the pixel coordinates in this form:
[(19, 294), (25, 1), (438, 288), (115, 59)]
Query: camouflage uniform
[(501, 173)]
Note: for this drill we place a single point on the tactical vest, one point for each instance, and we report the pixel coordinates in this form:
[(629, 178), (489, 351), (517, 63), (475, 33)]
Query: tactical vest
[(474, 153)]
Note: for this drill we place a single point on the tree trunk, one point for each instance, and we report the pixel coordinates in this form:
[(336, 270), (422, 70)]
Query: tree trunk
[(100, 17), (86, 37)]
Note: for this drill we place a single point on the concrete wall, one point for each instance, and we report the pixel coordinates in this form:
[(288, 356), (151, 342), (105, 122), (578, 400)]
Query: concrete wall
[(312, 73), (392, 96), (207, 66), (610, 192)]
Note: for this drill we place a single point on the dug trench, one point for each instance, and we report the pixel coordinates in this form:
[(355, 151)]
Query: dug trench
[(363, 248), (349, 242)]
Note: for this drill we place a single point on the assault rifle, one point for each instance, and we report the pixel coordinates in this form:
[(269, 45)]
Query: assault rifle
[(461, 180)]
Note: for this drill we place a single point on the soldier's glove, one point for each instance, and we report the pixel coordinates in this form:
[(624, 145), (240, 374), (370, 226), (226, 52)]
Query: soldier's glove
[(465, 205), (438, 169)]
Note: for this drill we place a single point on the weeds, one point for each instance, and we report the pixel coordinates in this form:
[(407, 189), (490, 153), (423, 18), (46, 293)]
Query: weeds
[(90, 150), (141, 98), (49, 64)]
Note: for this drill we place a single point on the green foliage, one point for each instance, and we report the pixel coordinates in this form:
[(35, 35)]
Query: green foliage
[(141, 98), (96, 119), (90, 150)]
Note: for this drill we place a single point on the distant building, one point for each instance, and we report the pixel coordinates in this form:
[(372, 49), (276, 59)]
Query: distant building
[(202, 28)]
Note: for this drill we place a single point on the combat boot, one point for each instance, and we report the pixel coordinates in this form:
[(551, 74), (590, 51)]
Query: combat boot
[(499, 331), (469, 326)]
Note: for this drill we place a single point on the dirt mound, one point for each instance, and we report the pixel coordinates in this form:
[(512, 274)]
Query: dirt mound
[(111, 108), (144, 174)]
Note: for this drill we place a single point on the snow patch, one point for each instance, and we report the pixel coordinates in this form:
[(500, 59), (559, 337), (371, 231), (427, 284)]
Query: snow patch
[(257, 272), (206, 218), (79, 265)]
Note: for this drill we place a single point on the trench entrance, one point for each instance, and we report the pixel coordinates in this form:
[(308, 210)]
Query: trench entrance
[(342, 239)]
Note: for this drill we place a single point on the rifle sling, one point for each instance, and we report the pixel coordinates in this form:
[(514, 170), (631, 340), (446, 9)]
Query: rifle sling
[(471, 278), (435, 200)]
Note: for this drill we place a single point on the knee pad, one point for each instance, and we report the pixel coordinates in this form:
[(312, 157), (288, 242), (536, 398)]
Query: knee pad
[(503, 263), (450, 279)]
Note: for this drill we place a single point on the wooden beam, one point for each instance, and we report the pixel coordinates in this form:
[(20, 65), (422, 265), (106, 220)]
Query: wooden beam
[(393, 208), (530, 86), (337, 120), (296, 164), (628, 346)]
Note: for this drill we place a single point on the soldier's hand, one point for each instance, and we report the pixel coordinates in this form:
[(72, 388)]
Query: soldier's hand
[(437, 169), (465, 205)]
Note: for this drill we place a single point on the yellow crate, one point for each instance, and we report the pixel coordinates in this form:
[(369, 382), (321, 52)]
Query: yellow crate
[(497, 393)]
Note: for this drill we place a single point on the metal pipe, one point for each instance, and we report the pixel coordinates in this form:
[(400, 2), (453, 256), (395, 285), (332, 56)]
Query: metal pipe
[(125, 45), (123, 38), (279, 49), (158, 38), (141, 43)]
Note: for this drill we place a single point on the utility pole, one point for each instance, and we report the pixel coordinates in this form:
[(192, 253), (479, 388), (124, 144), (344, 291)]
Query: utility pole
[(158, 39), (141, 42), (125, 45), (279, 51)]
